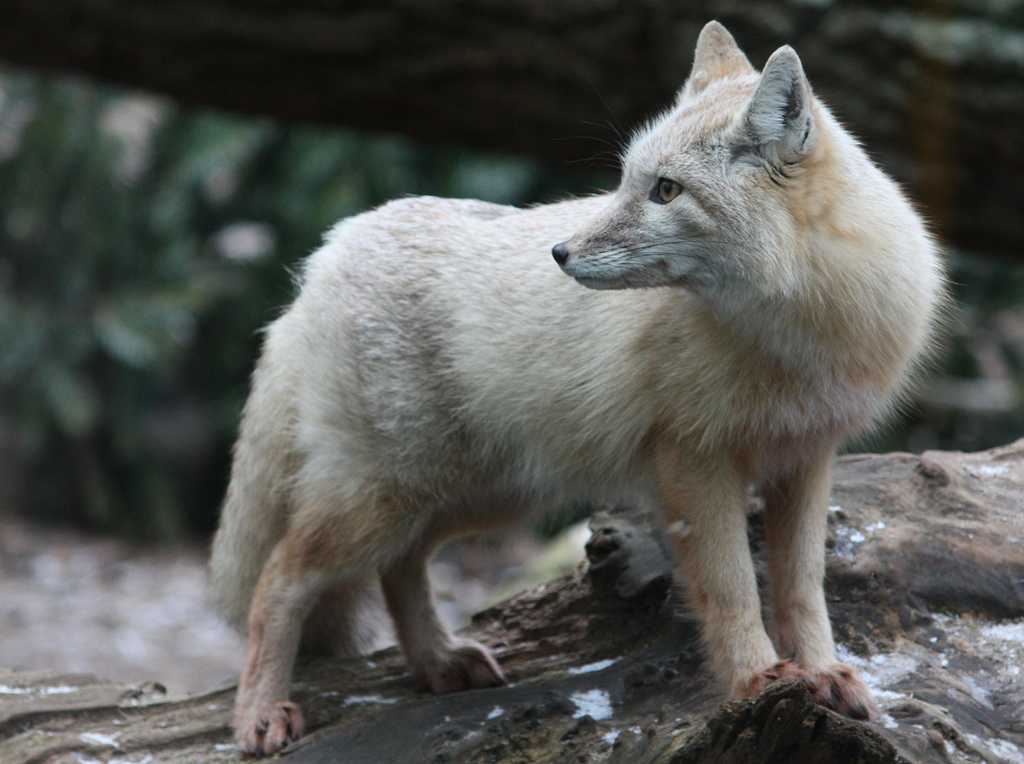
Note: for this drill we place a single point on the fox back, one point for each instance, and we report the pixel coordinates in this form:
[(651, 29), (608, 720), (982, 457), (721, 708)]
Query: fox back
[(755, 281)]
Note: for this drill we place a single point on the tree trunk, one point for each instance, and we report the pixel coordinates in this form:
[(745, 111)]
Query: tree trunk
[(926, 589), (934, 88)]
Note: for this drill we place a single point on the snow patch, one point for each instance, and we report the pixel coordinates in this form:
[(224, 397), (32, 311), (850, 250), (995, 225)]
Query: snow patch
[(847, 540), (98, 738), (595, 666), (1000, 643), (1003, 748), (1007, 750), (879, 671), (988, 470), (611, 737), (980, 694), (1005, 632), (62, 689), (885, 695), (358, 700), (597, 704), (496, 712)]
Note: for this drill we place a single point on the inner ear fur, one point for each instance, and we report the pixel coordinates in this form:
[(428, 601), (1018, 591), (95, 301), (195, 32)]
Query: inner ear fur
[(779, 116)]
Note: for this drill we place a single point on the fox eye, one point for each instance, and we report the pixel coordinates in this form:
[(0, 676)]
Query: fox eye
[(665, 191)]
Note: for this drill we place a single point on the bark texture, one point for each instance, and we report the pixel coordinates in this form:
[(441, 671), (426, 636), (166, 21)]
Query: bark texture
[(926, 590), (934, 88)]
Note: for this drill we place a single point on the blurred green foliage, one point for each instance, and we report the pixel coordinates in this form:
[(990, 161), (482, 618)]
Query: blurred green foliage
[(141, 249)]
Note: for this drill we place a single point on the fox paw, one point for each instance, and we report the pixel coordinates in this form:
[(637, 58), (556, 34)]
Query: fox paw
[(464, 666), (266, 728), (783, 671), (838, 687)]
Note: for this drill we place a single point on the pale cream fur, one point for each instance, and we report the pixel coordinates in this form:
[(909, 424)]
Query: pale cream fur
[(438, 374)]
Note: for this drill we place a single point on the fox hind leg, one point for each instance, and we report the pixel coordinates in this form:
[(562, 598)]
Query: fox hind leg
[(439, 661), (265, 720), (329, 546)]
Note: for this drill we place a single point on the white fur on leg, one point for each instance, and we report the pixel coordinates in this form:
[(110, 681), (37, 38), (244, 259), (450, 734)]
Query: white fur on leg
[(795, 528), (718, 567)]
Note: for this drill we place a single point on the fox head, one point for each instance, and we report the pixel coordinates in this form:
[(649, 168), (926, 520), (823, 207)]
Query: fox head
[(709, 188)]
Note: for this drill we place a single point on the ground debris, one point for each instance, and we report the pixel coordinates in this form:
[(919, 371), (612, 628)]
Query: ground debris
[(928, 604)]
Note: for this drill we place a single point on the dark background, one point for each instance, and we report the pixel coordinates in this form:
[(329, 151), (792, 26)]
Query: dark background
[(145, 238)]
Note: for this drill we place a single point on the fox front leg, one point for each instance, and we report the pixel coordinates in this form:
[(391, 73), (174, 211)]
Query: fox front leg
[(705, 508), (796, 506)]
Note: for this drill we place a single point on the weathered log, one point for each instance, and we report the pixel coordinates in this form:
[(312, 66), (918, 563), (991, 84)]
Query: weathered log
[(933, 88), (926, 589)]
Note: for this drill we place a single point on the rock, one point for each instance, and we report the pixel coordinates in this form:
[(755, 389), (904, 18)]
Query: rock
[(627, 553), (926, 588)]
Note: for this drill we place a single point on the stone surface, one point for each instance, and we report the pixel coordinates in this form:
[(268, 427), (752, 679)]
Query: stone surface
[(926, 590)]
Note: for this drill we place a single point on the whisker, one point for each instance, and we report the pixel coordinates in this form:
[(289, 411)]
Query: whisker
[(604, 126), (639, 248), (597, 138), (612, 121), (606, 159)]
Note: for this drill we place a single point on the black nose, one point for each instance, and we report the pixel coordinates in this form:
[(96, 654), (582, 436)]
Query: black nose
[(560, 252)]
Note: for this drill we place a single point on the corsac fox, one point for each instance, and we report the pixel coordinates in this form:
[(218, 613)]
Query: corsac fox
[(754, 291)]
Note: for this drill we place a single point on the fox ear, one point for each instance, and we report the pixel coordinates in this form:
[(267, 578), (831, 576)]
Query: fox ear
[(716, 55), (779, 114)]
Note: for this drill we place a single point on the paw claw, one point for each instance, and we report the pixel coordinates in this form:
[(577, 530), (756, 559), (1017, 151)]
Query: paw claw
[(267, 728), (466, 665), (846, 693)]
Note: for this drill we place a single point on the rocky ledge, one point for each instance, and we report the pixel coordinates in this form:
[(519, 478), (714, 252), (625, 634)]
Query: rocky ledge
[(925, 587)]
